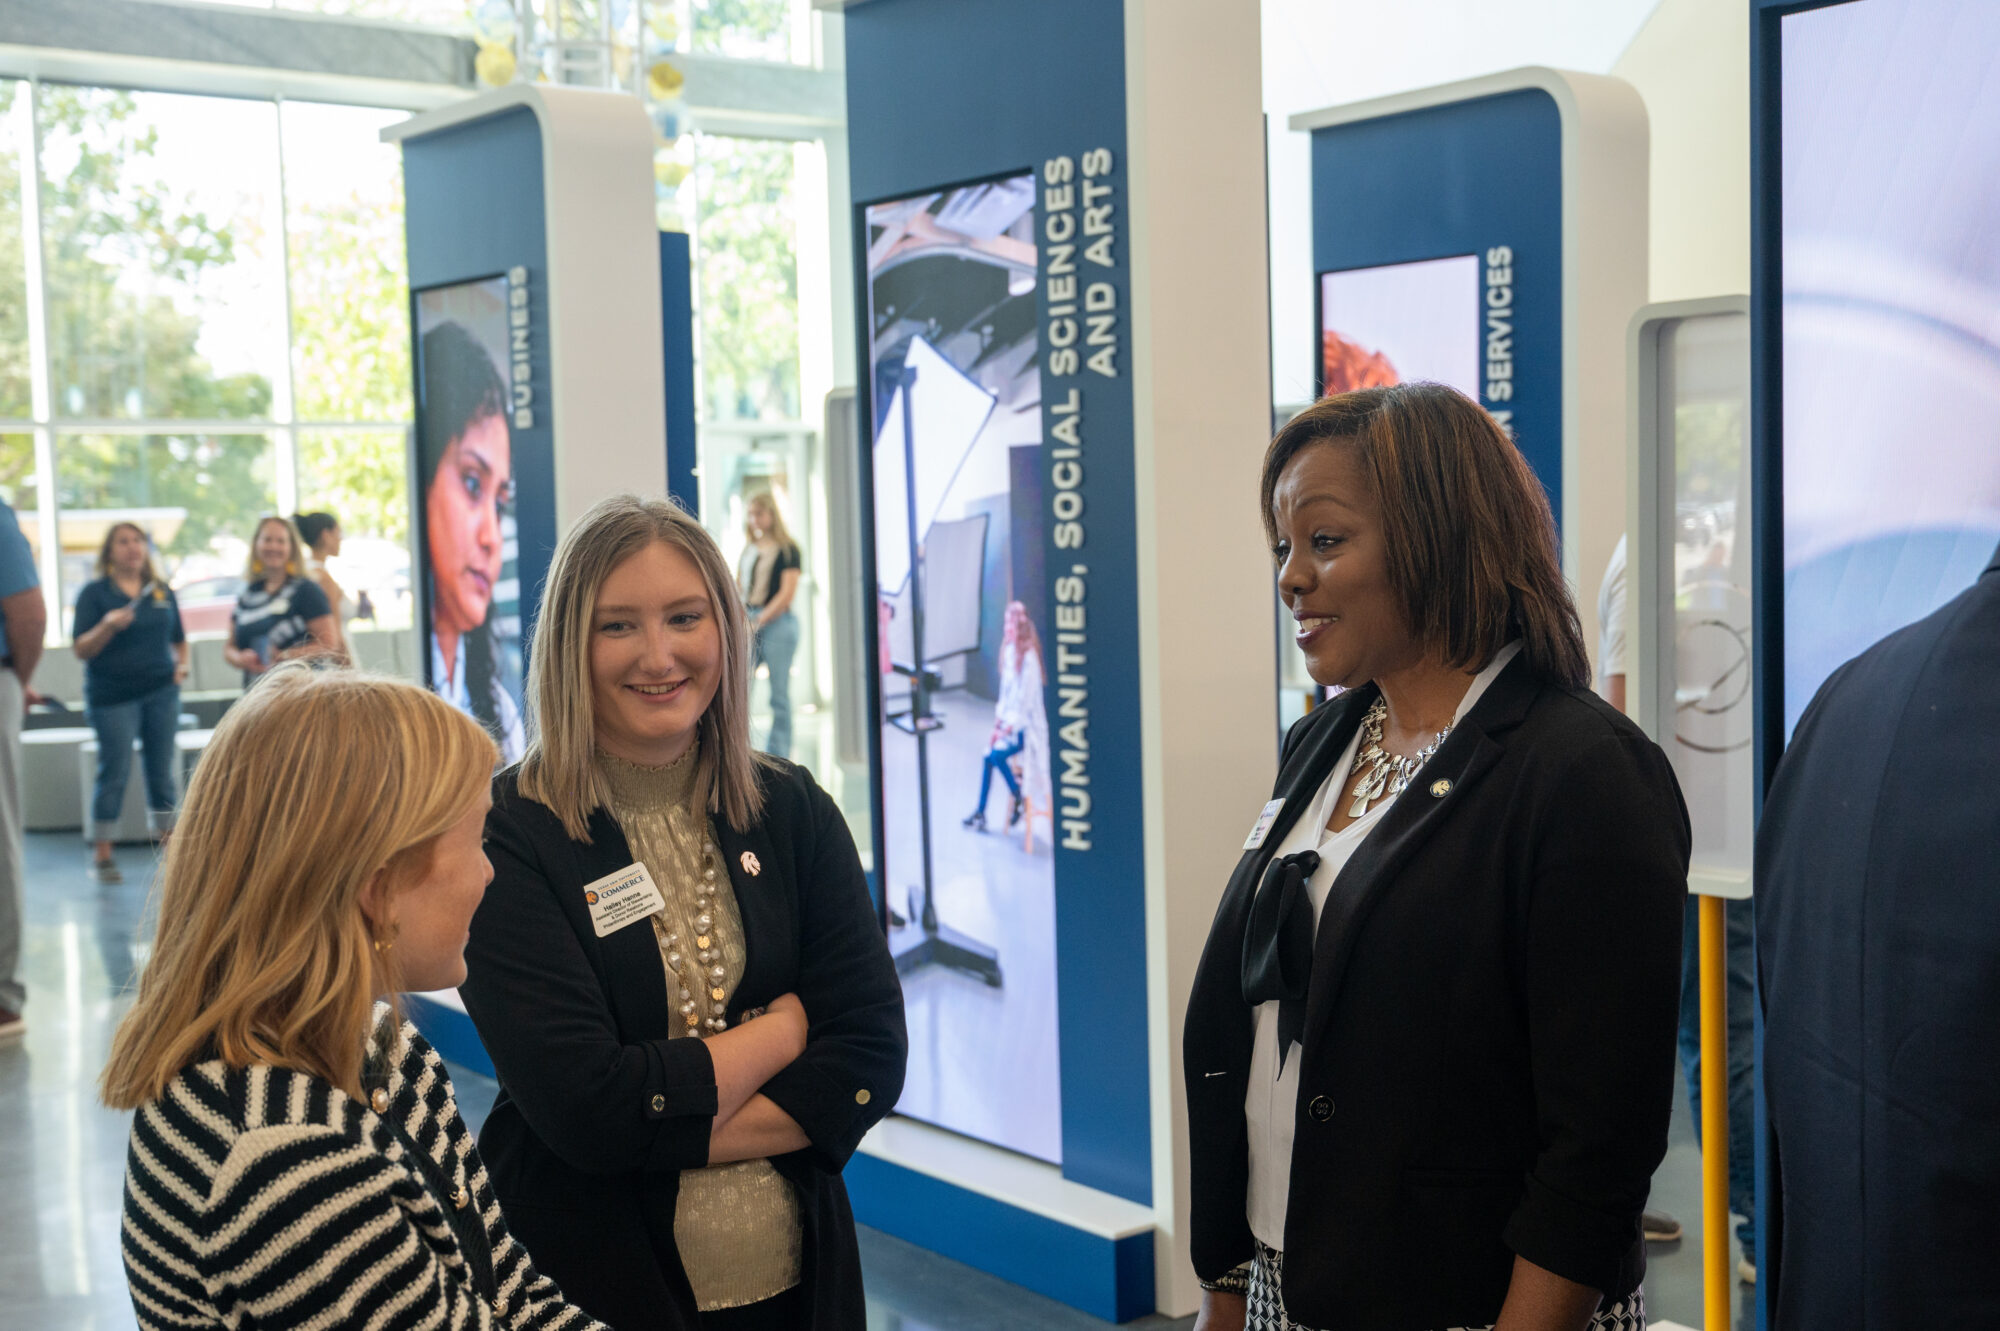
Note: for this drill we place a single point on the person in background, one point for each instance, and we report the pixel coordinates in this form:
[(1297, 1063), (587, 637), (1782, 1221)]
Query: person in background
[(468, 469), (24, 618), (321, 534), (281, 613), (128, 634), (1612, 602), (297, 1155), (1018, 715), (681, 1082), (769, 578), (1429, 1050)]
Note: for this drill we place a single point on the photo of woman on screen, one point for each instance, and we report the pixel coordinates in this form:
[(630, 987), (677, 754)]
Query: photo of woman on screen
[(465, 456)]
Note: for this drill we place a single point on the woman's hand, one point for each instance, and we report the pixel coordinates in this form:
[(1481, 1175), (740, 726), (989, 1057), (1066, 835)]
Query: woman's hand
[(1221, 1312), (180, 672), (119, 618)]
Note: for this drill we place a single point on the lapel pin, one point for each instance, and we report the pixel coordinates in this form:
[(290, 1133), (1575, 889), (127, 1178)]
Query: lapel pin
[(750, 865), (1439, 789)]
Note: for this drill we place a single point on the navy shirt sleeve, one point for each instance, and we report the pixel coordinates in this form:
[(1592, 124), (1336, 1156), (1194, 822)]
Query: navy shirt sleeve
[(90, 608), (176, 632), (308, 601)]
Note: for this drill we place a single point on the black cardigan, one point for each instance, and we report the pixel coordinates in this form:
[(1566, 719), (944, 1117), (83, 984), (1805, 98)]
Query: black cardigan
[(1489, 1041), (599, 1110)]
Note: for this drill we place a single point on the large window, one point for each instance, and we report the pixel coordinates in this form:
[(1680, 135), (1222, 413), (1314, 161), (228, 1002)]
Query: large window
[(745, 239), (224, 330)]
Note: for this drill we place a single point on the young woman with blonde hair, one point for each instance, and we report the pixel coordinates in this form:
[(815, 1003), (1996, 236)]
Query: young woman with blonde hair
[(768, 577), (678, 969), (297, 1157)]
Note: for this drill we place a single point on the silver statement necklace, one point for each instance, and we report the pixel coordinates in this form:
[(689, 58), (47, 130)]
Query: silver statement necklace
[(1383, 774)]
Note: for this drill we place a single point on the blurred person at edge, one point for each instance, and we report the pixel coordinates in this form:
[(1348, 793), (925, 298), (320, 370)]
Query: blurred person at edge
[(1878, 964), (280, 613), (468, 468), (321, 534), (1660, 1227), (297, 1158), (769, 579), (679, 971), (128, 634), (1429, 1048), (24, 618)]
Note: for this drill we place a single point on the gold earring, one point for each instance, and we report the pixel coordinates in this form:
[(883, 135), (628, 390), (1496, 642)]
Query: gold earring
[(382, 945)]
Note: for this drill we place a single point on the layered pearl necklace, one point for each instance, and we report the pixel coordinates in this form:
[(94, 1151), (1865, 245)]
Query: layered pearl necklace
[(707, 973), (1384, 774)]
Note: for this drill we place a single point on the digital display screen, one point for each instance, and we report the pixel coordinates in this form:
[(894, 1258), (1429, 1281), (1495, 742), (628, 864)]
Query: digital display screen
[(1890, 146), (965, 845), (466, 538), (1401, 322)]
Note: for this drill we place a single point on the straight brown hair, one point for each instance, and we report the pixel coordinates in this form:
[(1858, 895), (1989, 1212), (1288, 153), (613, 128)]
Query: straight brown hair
[(560, 766), (262, 952), (1473, 556)]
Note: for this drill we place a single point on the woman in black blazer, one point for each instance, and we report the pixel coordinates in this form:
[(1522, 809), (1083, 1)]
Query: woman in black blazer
[(678, 970), (1429, 1051)]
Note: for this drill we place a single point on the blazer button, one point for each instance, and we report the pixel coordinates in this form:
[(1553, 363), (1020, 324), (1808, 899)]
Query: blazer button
[(861, 1097), (1321, 1109), (659, 1104), (459, 1197)]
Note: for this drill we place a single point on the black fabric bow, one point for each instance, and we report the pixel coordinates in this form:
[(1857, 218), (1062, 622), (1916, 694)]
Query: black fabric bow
[(1278, 945)]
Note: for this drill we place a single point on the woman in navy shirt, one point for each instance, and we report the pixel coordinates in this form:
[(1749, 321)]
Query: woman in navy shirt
[(128, 635)]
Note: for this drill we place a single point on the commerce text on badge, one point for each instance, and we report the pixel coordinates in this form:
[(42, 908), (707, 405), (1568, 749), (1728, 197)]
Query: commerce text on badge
[(616, 900)]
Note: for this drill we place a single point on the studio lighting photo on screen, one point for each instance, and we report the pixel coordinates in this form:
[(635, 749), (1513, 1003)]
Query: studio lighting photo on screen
[(471, 598), (967, 859), (1399, 323), (1891, 216)]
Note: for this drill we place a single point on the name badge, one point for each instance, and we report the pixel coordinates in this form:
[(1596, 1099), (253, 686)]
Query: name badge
[(618, 899), (1263, 827)]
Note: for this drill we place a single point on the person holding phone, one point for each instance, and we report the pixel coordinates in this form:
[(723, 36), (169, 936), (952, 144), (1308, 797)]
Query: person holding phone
[(128, 634), (282, 613), (678, 970)]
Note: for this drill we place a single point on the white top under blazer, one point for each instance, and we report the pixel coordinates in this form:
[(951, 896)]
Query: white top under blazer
[(1271, 1101)]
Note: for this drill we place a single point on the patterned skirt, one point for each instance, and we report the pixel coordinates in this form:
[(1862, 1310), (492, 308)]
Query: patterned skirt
[(1267, 1308)]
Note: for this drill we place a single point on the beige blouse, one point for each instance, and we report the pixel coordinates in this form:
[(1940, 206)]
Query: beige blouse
[(737, 1225)]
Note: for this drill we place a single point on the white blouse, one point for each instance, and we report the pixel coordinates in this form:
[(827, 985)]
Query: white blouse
[(1270, 1104)]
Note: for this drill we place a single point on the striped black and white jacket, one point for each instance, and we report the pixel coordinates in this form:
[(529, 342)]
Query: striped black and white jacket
[(262, 1197)]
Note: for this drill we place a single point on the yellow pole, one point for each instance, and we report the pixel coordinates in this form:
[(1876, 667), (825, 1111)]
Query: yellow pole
[(1716, 1285)]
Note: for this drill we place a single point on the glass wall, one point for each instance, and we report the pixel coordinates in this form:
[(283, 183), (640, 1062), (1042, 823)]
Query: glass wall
[(223, 333)]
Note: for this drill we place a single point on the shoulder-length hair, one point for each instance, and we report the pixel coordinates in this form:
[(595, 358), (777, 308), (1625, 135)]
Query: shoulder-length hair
[(779, 531), (151, 573), (1471, 546), (560, 768), (262, 953), (295, 562)]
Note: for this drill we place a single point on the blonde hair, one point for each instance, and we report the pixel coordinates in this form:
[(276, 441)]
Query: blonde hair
[(779, 531), (151, 573), (262, 953), (295, 562), (560, 768)]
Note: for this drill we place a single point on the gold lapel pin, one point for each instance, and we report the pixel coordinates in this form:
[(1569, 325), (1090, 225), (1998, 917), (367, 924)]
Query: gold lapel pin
[(750, 864), (1439, 789)]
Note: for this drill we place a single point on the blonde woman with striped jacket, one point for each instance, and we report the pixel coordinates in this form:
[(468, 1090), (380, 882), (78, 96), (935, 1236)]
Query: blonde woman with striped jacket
[(297, 1156)]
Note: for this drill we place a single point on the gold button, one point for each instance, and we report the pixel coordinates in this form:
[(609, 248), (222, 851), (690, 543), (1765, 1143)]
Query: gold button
[(717, 994), (380, 1100), (459, 1197), (659, 1104), (1439, 789), (861, 1097)]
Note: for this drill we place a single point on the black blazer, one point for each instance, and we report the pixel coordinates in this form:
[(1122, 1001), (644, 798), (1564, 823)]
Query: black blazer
[(1488, 1060), (1878, 966), (599, 1110)]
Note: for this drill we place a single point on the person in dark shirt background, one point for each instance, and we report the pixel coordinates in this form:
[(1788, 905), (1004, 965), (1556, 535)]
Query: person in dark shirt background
[(128, 634)]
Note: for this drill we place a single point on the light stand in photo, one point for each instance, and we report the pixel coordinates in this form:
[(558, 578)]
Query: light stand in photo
[(938, 945)]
